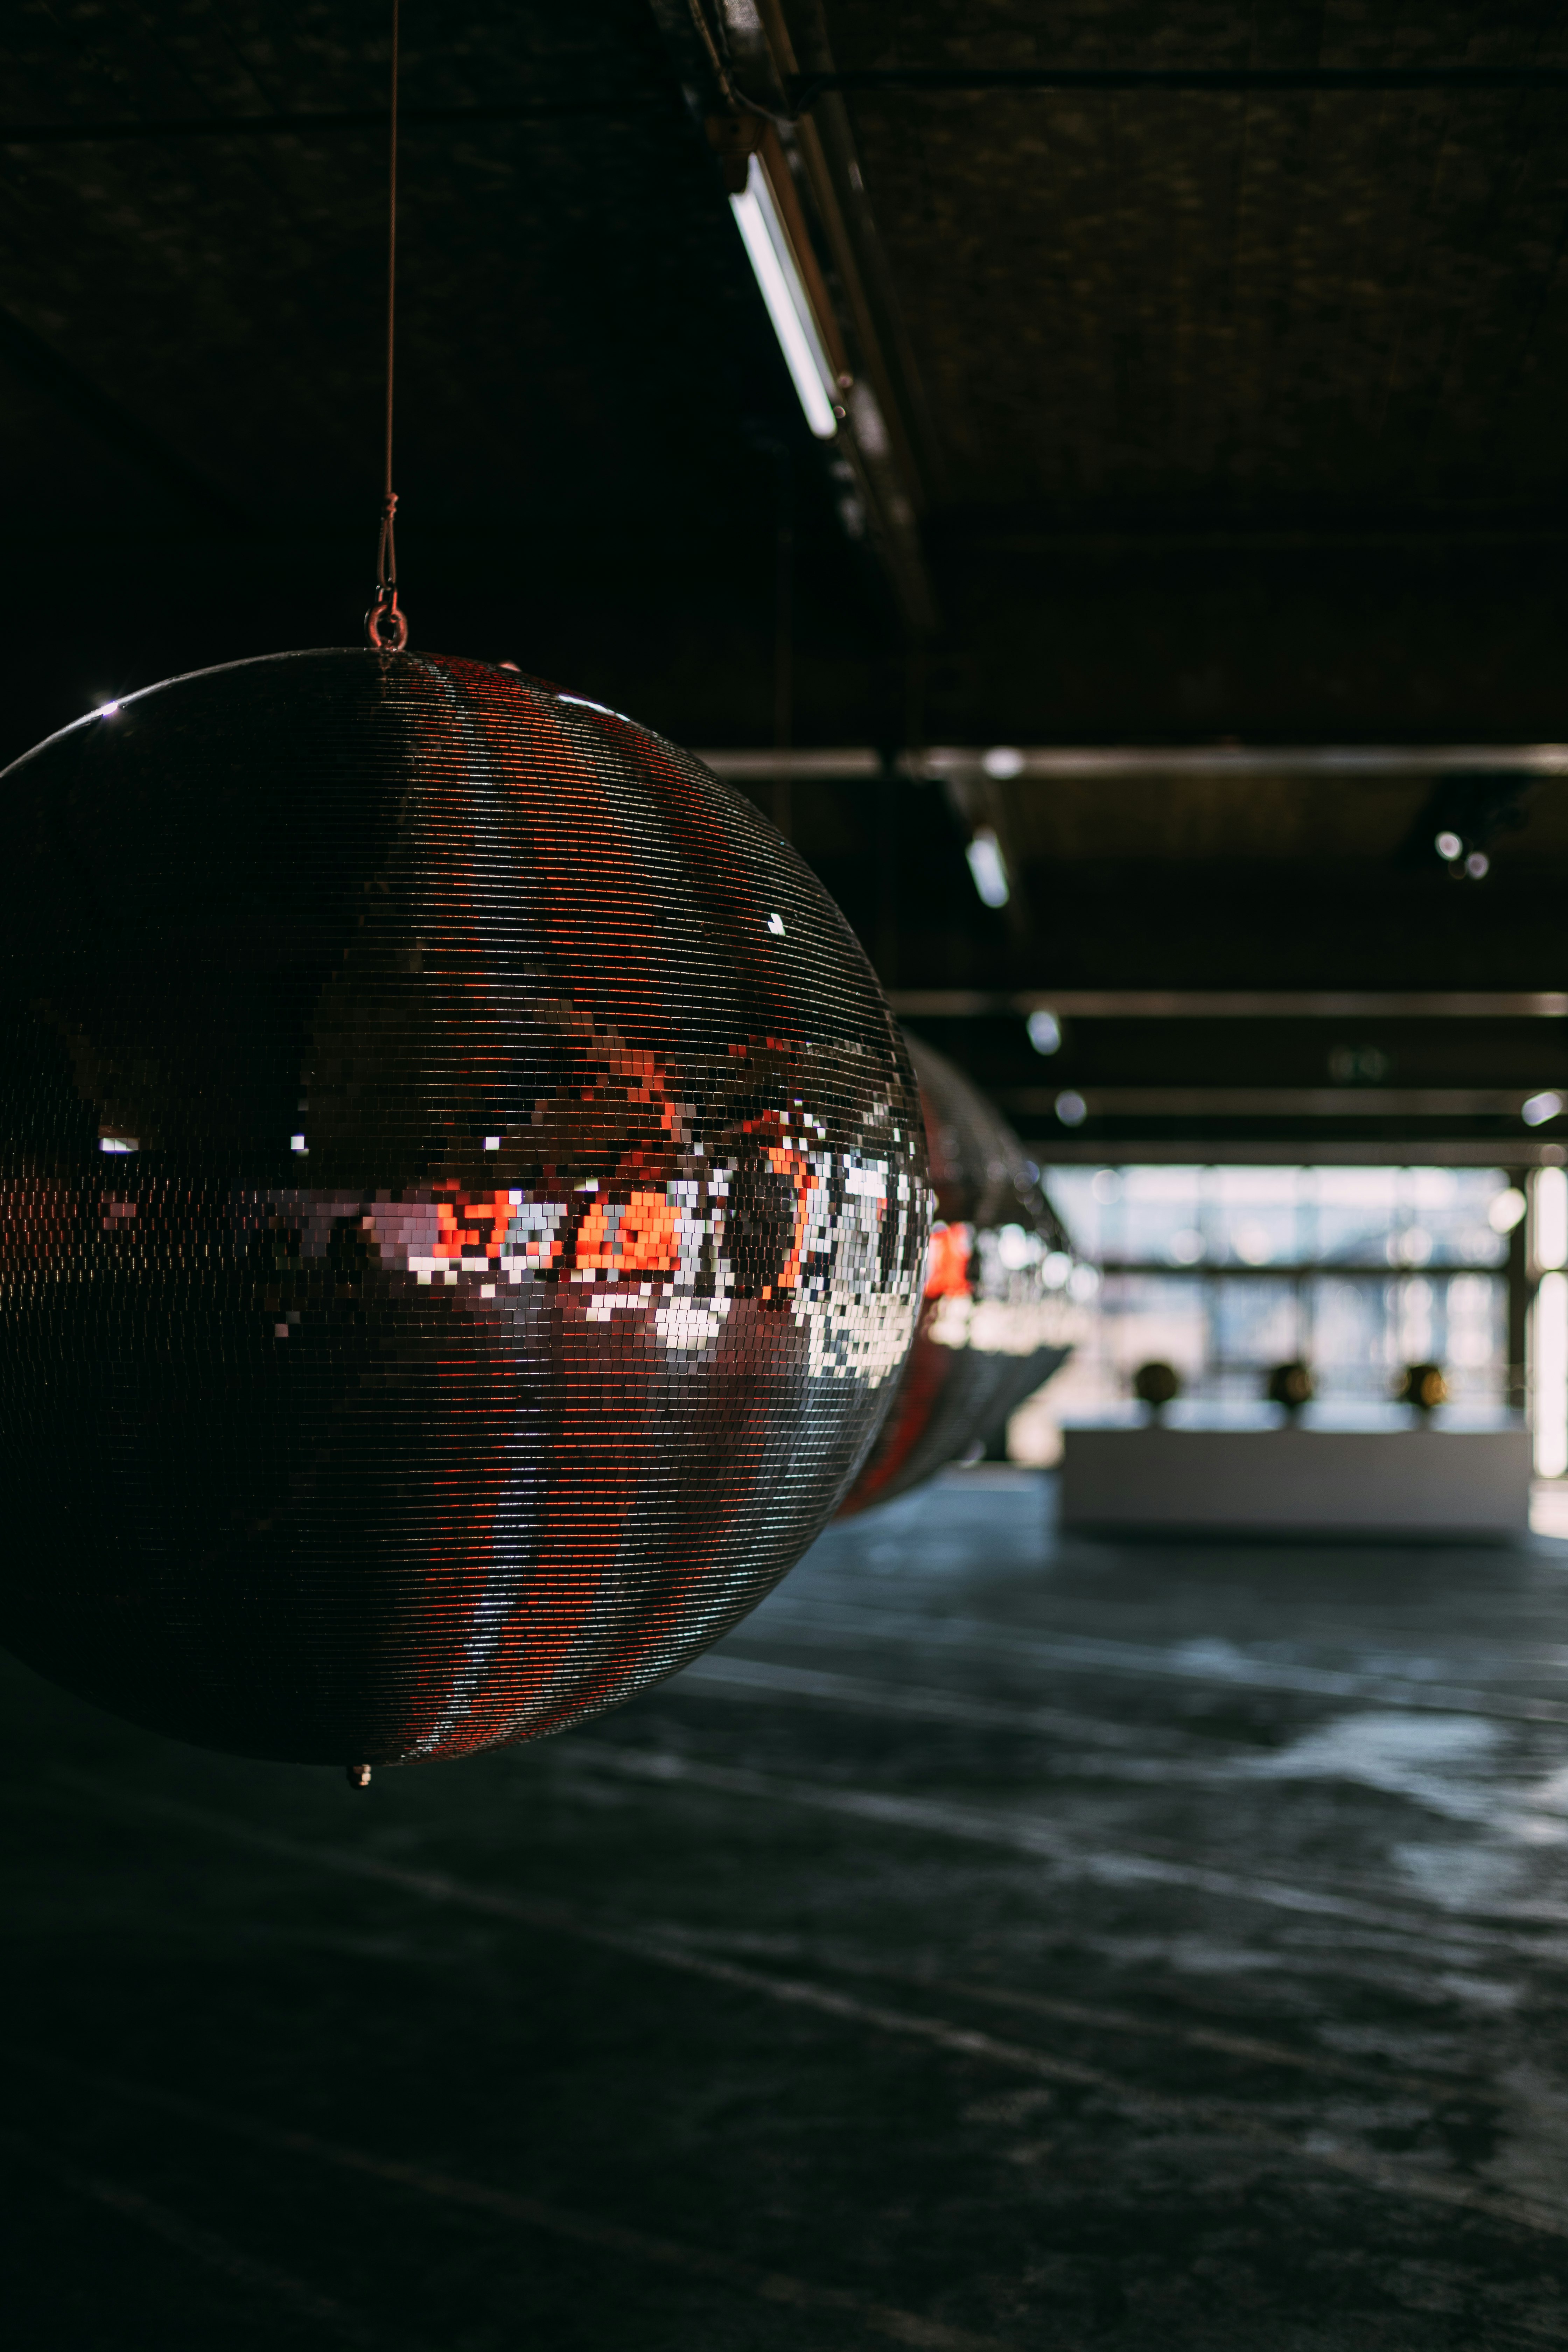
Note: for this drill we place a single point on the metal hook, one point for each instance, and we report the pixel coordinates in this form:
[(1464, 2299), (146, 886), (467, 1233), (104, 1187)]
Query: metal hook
[(385, 624)]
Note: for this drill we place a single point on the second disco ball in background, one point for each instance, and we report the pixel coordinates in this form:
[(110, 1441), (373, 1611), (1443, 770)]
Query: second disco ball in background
[(998, 1319)]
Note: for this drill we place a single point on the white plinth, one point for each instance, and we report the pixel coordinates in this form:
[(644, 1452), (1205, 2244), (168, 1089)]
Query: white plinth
[(1399, 1482)]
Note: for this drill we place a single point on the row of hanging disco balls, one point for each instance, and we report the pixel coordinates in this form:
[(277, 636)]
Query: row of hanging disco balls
[(997, 1317), (465, 1207)]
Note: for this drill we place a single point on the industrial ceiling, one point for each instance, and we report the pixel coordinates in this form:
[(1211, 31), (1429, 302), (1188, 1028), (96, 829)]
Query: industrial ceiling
[(1203, 375)]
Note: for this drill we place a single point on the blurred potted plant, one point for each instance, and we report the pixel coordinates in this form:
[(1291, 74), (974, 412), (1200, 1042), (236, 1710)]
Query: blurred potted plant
[(1423, 1386), (1156, 1385), (1291, 1385)]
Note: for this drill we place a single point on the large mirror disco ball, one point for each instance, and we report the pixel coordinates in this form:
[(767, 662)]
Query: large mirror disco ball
[(464, 1207), (998, 1315)]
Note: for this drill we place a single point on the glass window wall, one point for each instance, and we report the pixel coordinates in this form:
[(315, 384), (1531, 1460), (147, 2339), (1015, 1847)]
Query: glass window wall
[(1226, 1272)]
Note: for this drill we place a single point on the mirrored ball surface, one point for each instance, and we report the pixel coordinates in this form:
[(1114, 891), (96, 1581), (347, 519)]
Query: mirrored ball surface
[(464, 1207)]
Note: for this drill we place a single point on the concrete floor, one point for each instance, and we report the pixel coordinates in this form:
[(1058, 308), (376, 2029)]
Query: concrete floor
[(1000, 1941)]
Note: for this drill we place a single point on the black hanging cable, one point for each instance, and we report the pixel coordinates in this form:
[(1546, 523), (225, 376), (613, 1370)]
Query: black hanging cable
[(385, 625)]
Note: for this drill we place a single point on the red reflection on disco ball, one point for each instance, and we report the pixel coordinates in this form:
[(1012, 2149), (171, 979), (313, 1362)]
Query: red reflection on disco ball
[(998, 1319), (465, 1199)]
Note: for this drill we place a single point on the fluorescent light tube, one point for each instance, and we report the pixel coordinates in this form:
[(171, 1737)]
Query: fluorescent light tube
[(986, 864), (772, 264)]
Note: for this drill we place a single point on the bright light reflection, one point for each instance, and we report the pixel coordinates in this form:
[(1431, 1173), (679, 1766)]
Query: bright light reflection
[(1045, 1033), (1540, 1109), (1504, 1211)]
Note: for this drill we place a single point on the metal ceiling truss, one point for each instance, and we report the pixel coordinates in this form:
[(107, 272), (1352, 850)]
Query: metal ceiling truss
[(1067, 763), (734, 61)]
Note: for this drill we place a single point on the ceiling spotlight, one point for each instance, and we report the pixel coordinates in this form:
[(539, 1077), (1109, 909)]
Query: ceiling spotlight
[(1477, 865), (1003, 762), (1540, 1109), (1350, 1066), (988, 867), (1448, 846), (1071, 1109), (782, 288), (1045, 1033)]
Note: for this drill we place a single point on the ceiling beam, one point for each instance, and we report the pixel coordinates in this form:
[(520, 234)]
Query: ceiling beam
[(1271, 1102), (1055, 763), (1327, 763), (807, 90), (1297, 1270), (1233, 1004), (732, 71), (1132, 1151), (859, 765), (792, 32), (316, 122)]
